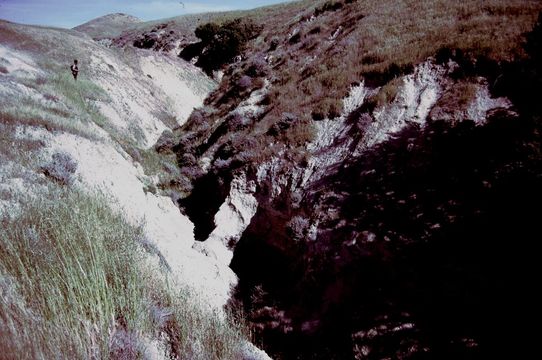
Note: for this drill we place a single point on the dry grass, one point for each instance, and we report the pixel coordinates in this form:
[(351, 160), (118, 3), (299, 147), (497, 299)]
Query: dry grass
[(316, 52), (15, 149), (372, 37), (385, 95)]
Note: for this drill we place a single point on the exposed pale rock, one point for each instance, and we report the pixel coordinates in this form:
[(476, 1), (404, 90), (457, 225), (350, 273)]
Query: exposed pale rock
[(231, 220)]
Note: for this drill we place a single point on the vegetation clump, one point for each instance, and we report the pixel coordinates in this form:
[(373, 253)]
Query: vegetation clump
[(220, 44), (328, 6)]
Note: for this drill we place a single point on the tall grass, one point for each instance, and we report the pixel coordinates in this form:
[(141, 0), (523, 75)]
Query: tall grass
[(72, 270), (75, 284)]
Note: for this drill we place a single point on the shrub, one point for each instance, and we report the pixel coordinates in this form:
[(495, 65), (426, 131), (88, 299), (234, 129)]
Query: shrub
[(300, 133), (297, 227), (274, 43), (61, 168), (207, 32), (220, 44), (328, 6), (294, 39), (315, 30), (192, 50), (165, 142), (326, 108), (146, 41), (244, 82), (385, 95), (286, 121), (237, 122), (258, 67), (371, 59), (379, 78)]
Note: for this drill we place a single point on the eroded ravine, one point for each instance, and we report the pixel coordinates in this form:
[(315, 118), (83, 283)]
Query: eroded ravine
[(330, 262)]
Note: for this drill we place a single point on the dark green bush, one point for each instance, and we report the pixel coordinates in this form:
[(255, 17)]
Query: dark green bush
[(220, 44), (328, 6), (207, 31)]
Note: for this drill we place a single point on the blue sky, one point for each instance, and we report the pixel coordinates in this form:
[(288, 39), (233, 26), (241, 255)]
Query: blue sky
[(70, 13)]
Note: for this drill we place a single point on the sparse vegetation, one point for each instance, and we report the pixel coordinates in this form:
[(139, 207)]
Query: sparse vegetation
[(61, 168), (385, 95), (15, 149), (57, 103)]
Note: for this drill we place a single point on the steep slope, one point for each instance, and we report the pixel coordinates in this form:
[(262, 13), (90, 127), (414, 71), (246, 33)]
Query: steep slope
[(364, 175), (95, 136)]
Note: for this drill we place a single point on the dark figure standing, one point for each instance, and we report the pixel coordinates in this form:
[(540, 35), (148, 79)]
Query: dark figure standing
[(75, 69)]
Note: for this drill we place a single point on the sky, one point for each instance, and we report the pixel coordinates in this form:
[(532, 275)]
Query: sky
[(70, 13)]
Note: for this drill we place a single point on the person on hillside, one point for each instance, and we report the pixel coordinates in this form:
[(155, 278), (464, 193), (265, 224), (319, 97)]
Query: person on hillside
[(75, 69)]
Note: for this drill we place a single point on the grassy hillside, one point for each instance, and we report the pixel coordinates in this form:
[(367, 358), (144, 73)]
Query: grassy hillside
[(77, 280), (55, 101), (316, 53), (310, 53), (185, 25), (321, 47)]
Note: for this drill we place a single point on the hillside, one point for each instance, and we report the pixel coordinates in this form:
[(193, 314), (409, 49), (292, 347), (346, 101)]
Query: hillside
[(333, 179), (369, 165), (108, 26), (96, 261), (174, 33)]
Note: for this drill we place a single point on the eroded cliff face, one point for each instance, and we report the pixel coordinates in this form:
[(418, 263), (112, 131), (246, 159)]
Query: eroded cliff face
[(345, 248), (345, 139)]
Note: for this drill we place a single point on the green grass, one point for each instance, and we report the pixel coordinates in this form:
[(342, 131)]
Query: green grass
[(79, 92), (51, 52), (33, 115), (57, 102), (73, 278), (72, 268)]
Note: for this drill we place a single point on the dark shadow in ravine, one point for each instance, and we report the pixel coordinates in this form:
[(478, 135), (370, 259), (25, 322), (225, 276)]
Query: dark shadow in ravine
[(437, 228)]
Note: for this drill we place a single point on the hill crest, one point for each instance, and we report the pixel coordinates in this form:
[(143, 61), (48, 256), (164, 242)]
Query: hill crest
[(108, 26)]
